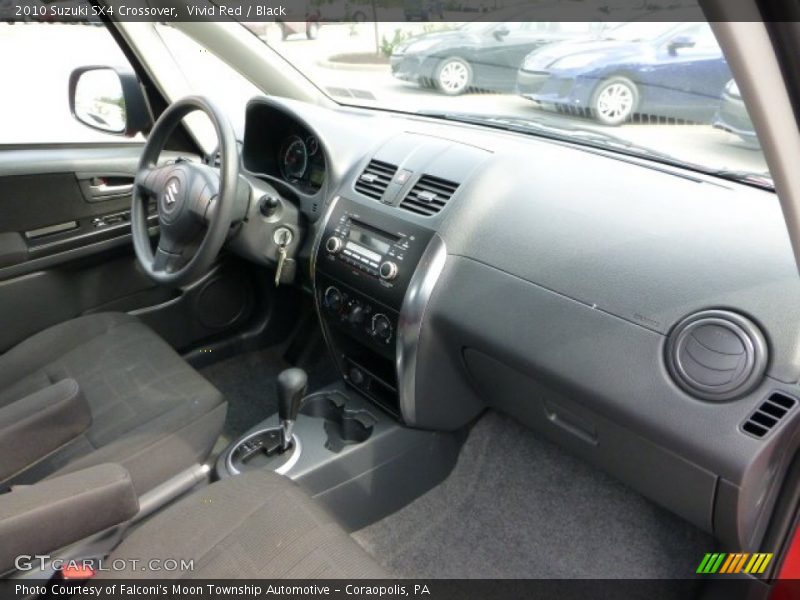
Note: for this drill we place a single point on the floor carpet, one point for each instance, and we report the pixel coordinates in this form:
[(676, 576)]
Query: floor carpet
[(247, 381), (519, 507)]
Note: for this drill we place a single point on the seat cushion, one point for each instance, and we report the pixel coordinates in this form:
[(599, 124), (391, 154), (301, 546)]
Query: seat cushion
[(258, 525), (151, 411)]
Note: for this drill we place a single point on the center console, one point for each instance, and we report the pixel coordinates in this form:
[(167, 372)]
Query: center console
[(372, 274)]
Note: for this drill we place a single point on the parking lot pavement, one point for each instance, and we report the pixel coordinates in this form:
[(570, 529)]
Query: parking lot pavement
[(38, 112)]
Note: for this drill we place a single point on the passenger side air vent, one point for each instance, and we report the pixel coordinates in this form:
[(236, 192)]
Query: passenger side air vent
[(766, 416), (716, 355), (429, 195), (375, 179)]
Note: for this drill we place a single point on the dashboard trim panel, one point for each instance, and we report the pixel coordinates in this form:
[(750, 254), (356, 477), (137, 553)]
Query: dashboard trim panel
[(323, 224), (412, 312), (313, 271)]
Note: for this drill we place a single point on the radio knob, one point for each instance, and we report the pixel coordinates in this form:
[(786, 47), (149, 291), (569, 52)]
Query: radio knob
[(334, 244), (388, 270), (381, 327), (333, 299)]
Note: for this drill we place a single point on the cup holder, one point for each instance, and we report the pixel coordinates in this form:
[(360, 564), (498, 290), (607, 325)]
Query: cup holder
[(343, 426)]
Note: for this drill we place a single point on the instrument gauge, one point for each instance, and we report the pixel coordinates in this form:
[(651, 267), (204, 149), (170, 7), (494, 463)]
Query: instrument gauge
[(312, 143), (294, 158)]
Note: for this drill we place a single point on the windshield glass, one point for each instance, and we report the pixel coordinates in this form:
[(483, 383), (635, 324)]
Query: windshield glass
[(640, 31), (674, 97)]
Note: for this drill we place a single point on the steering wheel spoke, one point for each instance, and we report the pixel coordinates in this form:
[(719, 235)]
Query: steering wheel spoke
[(167, 262), (150, 180)]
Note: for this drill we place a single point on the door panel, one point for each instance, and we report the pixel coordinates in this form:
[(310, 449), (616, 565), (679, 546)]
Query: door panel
[(43, 298), (52, 202), (66, 250)]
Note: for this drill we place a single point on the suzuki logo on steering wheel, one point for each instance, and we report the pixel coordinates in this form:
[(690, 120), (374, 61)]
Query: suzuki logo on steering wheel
[(171, 196)]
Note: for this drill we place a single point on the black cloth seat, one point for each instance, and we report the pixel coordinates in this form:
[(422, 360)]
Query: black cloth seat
[(150, 411), (258, 525)]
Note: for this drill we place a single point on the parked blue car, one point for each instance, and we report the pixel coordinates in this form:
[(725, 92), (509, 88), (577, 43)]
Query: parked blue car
[(673, 70), (732, 116)]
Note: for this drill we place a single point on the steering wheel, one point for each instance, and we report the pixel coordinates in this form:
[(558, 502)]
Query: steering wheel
[(195, 202)]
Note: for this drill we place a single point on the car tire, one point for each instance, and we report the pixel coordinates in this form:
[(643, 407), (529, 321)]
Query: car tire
[(312, 30), (453, 76), (615, 101), (359, 16)]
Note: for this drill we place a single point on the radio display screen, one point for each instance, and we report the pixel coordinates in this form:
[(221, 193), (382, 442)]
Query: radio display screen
[(363, 235)]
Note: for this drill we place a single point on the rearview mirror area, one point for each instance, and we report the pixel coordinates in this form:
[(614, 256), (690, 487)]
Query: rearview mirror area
[(109, 99)]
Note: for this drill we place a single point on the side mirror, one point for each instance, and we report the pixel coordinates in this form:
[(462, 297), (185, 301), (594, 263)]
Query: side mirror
[(680, 41), (109, 100), (500, 33)]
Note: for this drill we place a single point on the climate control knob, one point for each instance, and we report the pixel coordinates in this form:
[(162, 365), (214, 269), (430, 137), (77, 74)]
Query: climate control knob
[(388, 270), (356, 376), (381, 327), (333, 299), (356, 315), (334, 244)]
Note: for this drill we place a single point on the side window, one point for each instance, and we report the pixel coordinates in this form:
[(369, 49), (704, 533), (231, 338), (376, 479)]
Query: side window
[(34, 105)]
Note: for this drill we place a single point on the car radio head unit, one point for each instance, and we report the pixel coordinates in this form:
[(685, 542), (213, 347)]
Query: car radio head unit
[(365, 236), (383, 249), (363, 265)]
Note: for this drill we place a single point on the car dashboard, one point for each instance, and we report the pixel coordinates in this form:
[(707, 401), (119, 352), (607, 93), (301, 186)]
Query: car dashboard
[(644, 317)]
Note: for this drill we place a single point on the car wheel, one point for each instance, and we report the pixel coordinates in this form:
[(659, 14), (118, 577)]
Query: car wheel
[(615, 101), (312, 30), (359, 16), (453, 76)]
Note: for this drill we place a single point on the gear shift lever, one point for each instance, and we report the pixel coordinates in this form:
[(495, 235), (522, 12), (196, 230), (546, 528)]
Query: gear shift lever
[(292, 384)]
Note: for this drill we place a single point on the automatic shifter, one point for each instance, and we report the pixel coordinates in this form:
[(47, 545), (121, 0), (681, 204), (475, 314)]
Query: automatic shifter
[(292, 384)]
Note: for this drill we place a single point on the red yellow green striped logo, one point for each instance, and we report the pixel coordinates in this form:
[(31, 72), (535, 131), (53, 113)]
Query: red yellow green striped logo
[(736, 562)]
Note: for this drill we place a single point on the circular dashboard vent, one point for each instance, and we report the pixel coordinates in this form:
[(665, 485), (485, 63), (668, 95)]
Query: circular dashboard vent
[(716, 355)]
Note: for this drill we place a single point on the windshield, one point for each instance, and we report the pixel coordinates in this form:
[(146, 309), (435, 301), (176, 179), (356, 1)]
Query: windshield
[(669, 98), (640, 31), (477, 27)]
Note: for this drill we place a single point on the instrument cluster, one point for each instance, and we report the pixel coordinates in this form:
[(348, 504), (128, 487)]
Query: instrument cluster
[(301, 162), (278, 146)]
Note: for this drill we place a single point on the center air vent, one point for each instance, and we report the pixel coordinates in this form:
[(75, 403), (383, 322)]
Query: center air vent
[(375, 179), (429, 195), (716, 355)]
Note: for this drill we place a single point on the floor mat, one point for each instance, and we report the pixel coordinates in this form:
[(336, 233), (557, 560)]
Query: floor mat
[(248, 383), (519, 507)]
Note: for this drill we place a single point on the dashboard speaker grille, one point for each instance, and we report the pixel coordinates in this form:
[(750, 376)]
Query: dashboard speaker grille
[(768, 414), (429, 195), (716, 355), (375, 179)]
